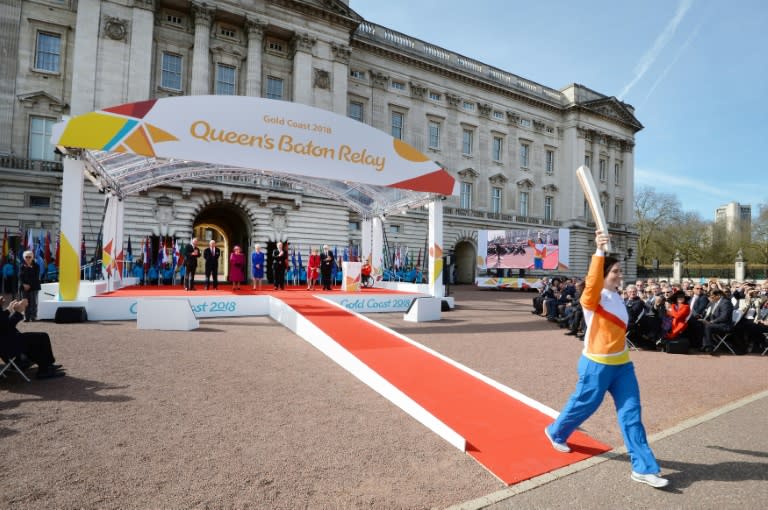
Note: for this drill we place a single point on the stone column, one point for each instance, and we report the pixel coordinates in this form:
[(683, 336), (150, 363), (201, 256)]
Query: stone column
[(84, 58), (677, 268), (628, 177), (379, 111), (302, 68), (341, 55), (740, 269), (255, 28), (201, 58), (10, 21), (140, 61)]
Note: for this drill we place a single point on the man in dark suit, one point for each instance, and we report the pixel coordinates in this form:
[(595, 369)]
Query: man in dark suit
[(327, 261), (699, 304), (717, 319), (191, 254), (211, 256), (35, 346)]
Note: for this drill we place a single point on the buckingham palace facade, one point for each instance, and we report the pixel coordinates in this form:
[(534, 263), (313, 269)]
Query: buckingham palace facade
[(512, 144)]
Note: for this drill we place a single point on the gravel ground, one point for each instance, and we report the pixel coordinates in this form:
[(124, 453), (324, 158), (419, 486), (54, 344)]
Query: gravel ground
[(243, 414)]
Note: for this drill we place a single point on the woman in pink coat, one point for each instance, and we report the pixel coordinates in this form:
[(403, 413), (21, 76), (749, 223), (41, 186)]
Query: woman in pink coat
[(236, 268)]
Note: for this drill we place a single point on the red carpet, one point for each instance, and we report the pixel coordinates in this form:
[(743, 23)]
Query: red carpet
[(503, 434), (226, 290)]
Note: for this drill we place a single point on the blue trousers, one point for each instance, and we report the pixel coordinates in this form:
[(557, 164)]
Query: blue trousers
[(620, 380)]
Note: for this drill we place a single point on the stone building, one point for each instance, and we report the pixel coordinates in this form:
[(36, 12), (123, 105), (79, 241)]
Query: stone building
[(512, 144)]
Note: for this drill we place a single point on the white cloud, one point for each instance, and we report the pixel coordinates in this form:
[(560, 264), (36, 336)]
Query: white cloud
[(650, 178), (650, 56)]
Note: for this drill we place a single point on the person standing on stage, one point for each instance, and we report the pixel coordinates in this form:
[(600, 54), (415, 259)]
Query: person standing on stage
[(313, 269), (29, 283), (211, 256), (605, 367), (191, 254), (257, 266), (279, 264), (236, 267), (327, 261)]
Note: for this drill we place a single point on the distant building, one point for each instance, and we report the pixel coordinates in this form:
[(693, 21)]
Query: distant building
[(736, 218), (513, 144)]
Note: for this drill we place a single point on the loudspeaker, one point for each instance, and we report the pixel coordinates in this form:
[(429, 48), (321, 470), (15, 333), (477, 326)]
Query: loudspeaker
[(70, 314), (444, 306), (678, 346)]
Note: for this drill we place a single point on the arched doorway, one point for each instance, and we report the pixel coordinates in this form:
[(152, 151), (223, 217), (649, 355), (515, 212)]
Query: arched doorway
[(465, 252), (226, 224)]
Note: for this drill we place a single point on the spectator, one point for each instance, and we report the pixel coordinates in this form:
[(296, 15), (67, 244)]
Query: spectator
[(35, 346), (717, 319), (29, 280)]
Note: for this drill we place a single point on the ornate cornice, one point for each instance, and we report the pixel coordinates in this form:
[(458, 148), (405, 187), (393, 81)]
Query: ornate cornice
[(379, 79), (468, 173), (203, 13), (498, 179), (418, 90), (551, 188), (453, 100), (485, 109), (255, 27), (525, 183), (303, 42), (341, 54)]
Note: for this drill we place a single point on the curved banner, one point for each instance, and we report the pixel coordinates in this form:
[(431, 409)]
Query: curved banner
[(260, 133)]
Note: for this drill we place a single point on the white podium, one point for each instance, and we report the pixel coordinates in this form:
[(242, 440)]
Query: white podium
[(424, 309), (350, 276)]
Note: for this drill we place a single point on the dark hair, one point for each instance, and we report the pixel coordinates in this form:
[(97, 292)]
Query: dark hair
[(608, 264)]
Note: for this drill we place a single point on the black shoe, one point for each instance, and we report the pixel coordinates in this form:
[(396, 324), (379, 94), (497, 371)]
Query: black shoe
[(570, 332), (50, 373), (708, 349), (56, 366)]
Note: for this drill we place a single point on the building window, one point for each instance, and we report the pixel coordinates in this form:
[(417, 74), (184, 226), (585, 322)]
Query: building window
[(548, 205), (355, 111), (228, 32), (470, 107), (358, 75), (465, 197), (48, 52), (394, 229), (587, 211), (171, 71), (496, 199), (397, 124), (354, 226), (274, 88), (525, 122), (467, 139), (498, 115), (225, 80), (434, 96), (588, 161), (434, 135), (276, 46), (603, 170), (498, 147), (617, 173), (38, 202), (397, 85), (40, 139), (523, 203), (524, 154), (618, 207), (550, 169), (173, 19)]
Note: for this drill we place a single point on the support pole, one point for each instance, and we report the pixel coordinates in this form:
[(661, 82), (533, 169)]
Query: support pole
[(71, 214), (435, 243)]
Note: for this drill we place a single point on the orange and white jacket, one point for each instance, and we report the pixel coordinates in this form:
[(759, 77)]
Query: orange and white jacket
[(606, 316)]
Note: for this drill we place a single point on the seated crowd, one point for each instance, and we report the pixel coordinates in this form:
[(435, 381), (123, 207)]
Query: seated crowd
[(660, 313)]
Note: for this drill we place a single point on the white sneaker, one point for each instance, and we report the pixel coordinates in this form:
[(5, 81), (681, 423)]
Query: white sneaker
[(650, 479), (560, 447)]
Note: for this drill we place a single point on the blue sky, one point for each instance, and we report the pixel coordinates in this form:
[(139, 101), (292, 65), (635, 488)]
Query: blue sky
[(696, 72)]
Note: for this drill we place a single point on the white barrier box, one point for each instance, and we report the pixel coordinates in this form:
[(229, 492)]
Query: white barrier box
[(424, 309), (350, 281), (166, 314)]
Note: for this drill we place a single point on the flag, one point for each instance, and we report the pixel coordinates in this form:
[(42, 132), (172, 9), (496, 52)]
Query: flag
[(418, 259), (293, 258), (82, 252), (161, 253), (40, 255), (30, 244), (58, 250), (47, 250), (129, 250), (145, 255), (5, 246), (300, 264), (179, 253), (335, 265), (345, 257)]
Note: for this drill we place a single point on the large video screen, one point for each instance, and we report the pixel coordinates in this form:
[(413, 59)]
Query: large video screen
[(544, 249)]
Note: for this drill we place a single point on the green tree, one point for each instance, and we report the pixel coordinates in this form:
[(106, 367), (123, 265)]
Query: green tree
[(653, 212)]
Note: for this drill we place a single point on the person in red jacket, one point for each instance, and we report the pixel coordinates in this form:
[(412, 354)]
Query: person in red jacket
[(678, 310)]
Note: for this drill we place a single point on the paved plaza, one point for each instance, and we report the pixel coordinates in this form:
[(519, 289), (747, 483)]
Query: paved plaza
[(244, 414)]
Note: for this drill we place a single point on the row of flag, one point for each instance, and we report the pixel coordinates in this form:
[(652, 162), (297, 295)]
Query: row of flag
[(42, 247)]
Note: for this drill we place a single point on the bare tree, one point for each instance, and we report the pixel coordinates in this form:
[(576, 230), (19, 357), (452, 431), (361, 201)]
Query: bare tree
[(653, 211)]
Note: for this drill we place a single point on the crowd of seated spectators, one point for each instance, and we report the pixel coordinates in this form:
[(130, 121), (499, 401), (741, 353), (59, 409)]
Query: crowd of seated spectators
[(660, 312)]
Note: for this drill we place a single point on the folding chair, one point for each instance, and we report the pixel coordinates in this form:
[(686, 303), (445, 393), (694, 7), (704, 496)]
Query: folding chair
[(722, 338), (11, 363), (766, 345)]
